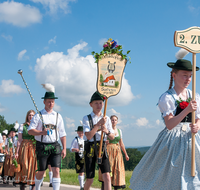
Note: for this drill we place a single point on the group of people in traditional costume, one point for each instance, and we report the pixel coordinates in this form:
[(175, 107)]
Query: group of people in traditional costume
[(166, 165)]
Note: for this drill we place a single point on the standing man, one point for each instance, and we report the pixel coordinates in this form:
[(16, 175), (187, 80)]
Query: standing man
[(47, 134), (93, 125)]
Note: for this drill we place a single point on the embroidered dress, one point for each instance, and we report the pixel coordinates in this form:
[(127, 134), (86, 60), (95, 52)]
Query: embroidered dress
[(8, 159), (116, 163), (167, 164), (26, 159)]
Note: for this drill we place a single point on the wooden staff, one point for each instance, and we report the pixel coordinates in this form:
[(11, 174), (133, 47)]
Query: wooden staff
[(193, 113), (102, 134)]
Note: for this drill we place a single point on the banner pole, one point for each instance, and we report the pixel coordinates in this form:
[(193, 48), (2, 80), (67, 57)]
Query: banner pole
[(193, 113), (102, 134)]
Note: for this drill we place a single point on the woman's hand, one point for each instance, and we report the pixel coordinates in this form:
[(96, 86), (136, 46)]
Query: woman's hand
[(192, 106), (194, 128), (127, 157), (107, 142), (16, 155)]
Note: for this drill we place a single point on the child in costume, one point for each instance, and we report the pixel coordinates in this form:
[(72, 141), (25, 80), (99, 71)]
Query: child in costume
[(93, 125), (167, 164), (77, 146)]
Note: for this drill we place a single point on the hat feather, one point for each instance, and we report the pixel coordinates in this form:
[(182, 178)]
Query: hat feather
[(16, 125), (181, 53), (81, 122), (49, 87), (5, 131)]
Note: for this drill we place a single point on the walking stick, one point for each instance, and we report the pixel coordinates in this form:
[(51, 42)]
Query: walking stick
[(20, 72), (188, 39)]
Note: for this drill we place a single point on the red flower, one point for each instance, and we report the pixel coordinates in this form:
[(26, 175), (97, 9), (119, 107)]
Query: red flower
[(104, 97), (183, 104)]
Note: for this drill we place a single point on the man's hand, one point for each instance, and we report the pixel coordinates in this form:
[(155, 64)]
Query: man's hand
[(63, 153)]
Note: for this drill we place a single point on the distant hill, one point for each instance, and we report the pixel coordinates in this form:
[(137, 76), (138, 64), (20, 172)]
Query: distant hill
[(143, 149)]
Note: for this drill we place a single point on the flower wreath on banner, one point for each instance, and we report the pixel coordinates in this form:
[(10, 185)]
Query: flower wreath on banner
[(183, 104), (111, 47)]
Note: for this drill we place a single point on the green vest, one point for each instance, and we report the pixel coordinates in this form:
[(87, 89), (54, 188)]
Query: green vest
[(116, 139), (25, 134)]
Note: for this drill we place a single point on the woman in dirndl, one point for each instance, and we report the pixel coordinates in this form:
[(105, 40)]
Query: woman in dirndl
[(10, 148), (26, 155), (115, 157), (167, 164)]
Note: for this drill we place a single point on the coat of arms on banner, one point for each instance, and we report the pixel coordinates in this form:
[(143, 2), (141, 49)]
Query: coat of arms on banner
[(111, 63), (110, 72)]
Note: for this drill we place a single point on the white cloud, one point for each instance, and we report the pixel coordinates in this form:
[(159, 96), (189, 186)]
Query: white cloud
[(52, 40), (57, 107), (2, 108), (55, 5), (21, 55), (142, 122), (8, 37), (19, 14), (114, 112), (8, 88), (69, 122), (74, 77), (102, 41), (157, 121)]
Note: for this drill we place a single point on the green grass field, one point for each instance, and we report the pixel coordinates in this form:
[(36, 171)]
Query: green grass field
[(71, 178)]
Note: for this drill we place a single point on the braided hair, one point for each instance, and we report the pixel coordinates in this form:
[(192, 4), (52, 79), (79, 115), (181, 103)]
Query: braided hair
[(171, 78)]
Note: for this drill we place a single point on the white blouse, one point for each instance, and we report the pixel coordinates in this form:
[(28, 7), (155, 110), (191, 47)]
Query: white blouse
[(167, 104)]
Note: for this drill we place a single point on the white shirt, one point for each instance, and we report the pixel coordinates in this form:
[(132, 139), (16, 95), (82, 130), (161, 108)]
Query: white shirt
[(95, 118), (75, 144), (14, 139), (167, 105), (48, 118), (1, 139), (20, 129)]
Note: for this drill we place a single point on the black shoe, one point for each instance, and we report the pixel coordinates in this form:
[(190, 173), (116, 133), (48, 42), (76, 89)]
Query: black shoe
[(14, 184), (42, 184), (81, 188), (50, 185)]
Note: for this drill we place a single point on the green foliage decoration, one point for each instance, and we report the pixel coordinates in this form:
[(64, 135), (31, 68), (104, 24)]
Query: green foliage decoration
[(111, 47)]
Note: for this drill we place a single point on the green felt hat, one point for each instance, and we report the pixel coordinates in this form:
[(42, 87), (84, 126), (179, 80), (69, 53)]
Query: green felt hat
[(80, 128), (12, 129), (49, 95), (181, 64), (97, 96)]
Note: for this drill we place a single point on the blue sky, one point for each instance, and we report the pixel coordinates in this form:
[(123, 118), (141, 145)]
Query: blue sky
[(52, 41)]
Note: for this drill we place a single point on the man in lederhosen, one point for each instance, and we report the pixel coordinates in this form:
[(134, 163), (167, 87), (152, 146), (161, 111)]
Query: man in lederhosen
[(93, 125), (48, 149), (77, 146)]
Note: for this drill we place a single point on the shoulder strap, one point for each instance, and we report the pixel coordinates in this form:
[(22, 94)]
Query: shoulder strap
[(42, 127), (56, 126), (119, 133), (94, 137), (77, 142)]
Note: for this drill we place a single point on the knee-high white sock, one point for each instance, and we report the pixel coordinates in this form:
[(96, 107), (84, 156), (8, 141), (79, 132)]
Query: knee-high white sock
[(38, 183), (81, 180), (56, 183), (50, 176)]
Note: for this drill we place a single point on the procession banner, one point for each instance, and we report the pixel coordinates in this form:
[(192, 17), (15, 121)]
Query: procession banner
[(110, 72), (111, 63)]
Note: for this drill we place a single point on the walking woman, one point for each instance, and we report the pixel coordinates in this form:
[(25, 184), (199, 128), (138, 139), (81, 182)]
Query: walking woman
[(167, 164), (26, 155), (115, 157)]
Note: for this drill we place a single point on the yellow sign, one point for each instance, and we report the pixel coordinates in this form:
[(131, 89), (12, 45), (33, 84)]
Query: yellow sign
[(188, 39), (110, 72)]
